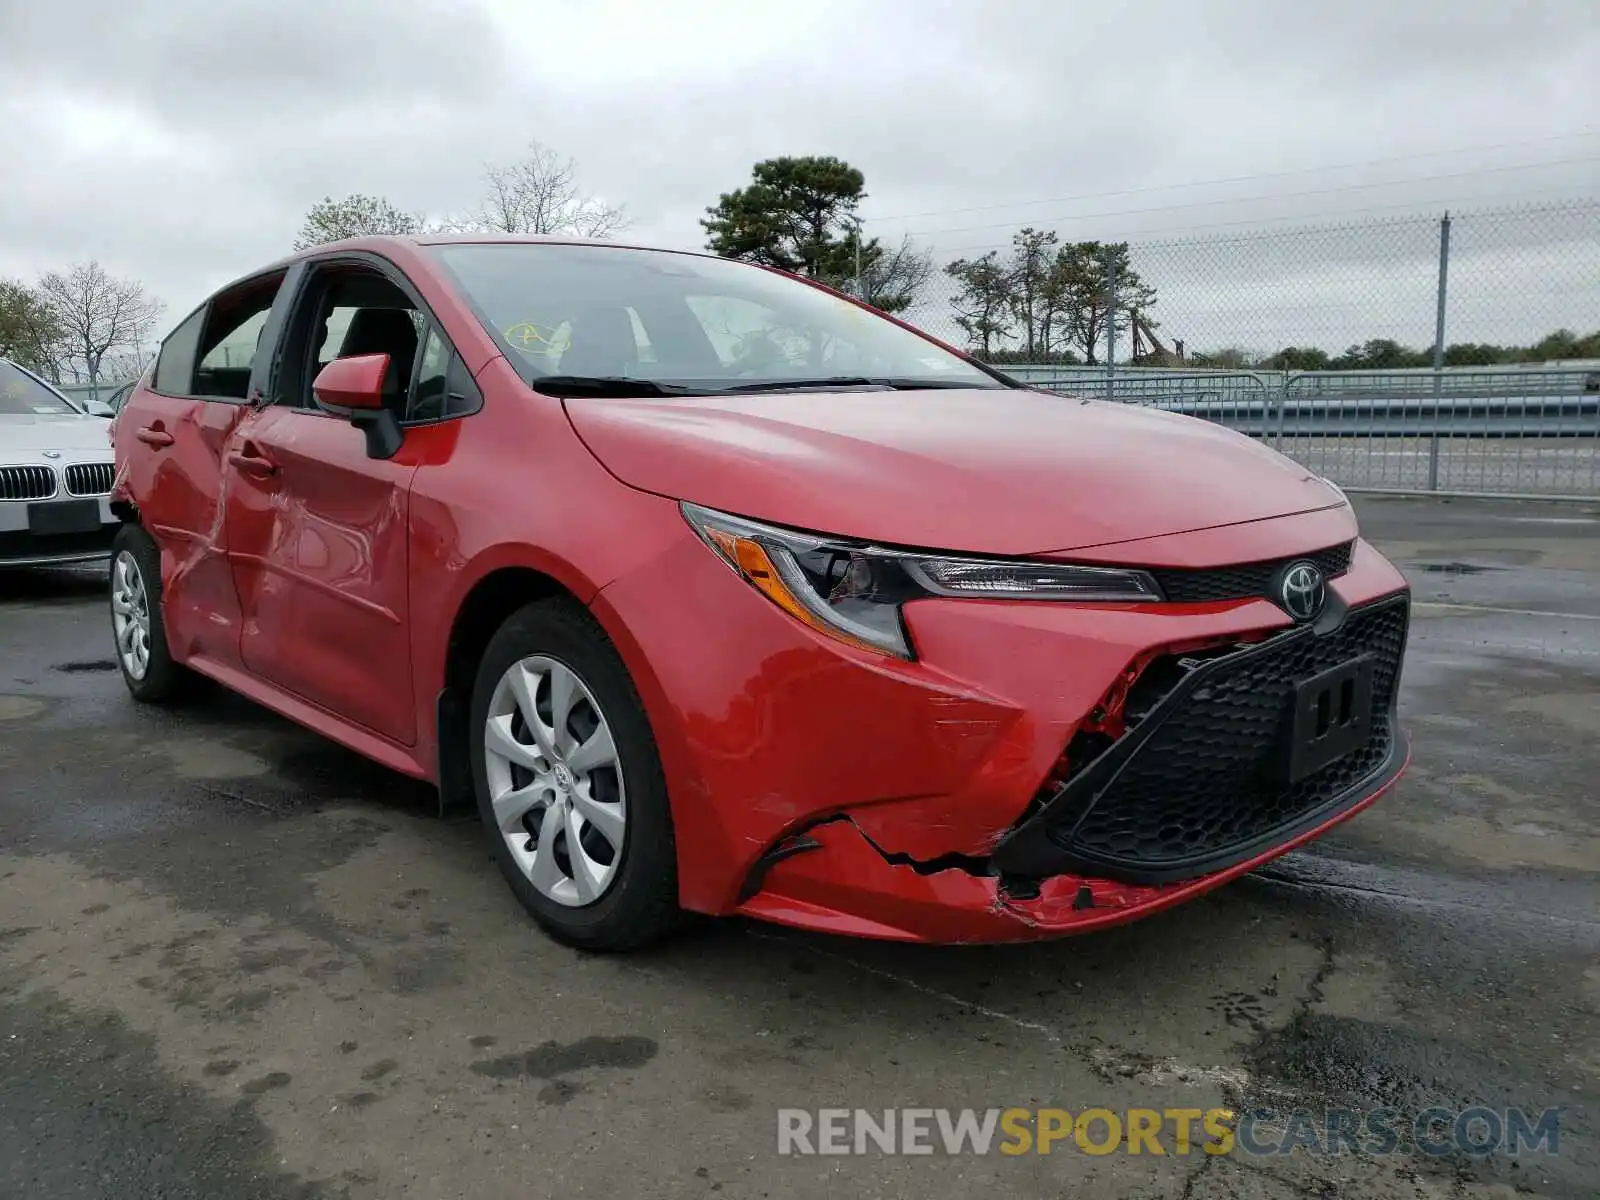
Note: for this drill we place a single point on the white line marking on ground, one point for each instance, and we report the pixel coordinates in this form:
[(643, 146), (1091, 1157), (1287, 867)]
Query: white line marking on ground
[(1507, 612), (992, 1013), (1160, 1074), (1163, 1073), (1501, 911)]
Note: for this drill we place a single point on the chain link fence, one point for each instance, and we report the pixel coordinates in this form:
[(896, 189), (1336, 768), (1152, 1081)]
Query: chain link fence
[(1450, 353), (115, 370)]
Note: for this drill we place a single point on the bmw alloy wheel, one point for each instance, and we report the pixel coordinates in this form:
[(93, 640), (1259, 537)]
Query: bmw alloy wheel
[(555, 781), (130, 615)]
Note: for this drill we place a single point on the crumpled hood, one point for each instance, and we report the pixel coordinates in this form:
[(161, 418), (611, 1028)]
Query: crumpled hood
[(996, 472), (29, 433)]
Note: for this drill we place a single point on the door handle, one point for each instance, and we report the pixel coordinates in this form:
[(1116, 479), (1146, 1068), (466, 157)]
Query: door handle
[(252, 462), (151, 436)]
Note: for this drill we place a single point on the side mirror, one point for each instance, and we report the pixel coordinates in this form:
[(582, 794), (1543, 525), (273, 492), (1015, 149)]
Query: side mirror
[(351, 383), (353, 388), (99, 408)]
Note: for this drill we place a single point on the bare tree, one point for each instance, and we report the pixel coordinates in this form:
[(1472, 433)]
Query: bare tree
[(97, 313), (539, 193), (893, 280)]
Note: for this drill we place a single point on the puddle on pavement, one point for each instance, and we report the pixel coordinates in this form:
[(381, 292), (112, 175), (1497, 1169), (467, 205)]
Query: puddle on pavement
[(113, 1111), (1454, 568), (84, 665)]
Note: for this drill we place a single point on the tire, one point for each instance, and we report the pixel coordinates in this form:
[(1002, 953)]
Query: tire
[(610, 898), (135, 586)]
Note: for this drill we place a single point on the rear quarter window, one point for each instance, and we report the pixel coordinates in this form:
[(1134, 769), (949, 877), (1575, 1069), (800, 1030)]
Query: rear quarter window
[(175, 367)]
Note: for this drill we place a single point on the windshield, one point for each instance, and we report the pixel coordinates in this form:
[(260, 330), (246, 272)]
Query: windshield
[(23, 395), (685, 322)]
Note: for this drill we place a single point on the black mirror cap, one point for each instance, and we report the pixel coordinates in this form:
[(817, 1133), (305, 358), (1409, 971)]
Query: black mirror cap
[(384, 435)]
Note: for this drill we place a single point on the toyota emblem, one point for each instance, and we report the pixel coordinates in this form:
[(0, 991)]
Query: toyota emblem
[(1302, 591)]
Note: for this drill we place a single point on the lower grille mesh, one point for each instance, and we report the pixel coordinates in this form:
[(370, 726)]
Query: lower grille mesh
[(1202, 785)]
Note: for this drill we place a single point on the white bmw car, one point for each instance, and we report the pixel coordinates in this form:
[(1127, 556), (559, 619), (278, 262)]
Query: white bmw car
[(56, 471)]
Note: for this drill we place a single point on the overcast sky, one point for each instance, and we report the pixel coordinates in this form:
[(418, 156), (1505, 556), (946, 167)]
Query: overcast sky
[(181, 141)]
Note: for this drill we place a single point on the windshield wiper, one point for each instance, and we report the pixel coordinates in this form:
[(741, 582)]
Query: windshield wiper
[(829, 382), (617, 387), (621, 387)]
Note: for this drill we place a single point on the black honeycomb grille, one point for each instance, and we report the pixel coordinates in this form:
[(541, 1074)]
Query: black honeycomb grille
[(1202, 787), (1246, 580)]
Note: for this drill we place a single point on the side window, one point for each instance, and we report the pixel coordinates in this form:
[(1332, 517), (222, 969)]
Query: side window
[(236, 349), (347, 311), (336, 326), (462, 397), (444, 388), (175, 366), (232, 339), (427, 397)]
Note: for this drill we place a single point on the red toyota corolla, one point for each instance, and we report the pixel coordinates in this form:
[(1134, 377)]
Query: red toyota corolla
[(720, 592)]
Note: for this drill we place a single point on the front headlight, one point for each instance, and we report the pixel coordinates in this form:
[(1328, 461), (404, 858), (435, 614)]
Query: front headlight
[(853, 591)]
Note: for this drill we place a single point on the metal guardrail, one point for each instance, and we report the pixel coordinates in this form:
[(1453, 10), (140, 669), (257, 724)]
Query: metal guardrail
[(84, 391), (1530, 430), (1524, 430)]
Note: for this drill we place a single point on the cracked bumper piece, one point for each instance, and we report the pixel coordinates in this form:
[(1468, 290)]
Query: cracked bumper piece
[(846, 886), (1039, 769)]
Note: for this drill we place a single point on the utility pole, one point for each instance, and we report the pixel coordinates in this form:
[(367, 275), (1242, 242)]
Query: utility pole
[(860, 292), (1438, 351), (1111, 331)]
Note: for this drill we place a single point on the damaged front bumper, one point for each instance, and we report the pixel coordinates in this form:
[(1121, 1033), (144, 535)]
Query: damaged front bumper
[(848, 886), (1223, 760), (819, 786)]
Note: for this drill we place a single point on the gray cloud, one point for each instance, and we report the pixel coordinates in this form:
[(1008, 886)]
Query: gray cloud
[(181, 141)]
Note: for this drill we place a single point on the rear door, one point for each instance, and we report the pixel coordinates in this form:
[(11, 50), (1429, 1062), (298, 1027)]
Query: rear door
[(318, 531), (170, 441)]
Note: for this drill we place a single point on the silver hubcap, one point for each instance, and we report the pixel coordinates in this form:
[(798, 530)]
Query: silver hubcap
[(555, 781), (130, 615)]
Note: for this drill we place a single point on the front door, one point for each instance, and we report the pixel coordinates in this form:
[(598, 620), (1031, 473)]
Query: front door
[(318, 531), (317, 535)]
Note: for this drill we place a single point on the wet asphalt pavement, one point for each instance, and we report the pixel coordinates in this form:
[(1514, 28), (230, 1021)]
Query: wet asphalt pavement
[(237, 961)]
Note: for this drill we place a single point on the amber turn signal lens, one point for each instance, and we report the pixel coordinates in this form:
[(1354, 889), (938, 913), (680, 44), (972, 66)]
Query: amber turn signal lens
[(753, 562)]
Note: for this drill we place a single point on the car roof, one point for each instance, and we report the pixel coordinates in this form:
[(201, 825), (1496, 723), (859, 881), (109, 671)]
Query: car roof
[(412, 241), (379, 243)]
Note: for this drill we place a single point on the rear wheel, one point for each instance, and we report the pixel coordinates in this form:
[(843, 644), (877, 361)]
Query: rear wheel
[(136, 621), (569, 782)]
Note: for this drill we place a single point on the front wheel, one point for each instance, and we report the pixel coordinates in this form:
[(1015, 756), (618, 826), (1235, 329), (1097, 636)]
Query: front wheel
[(569, 783), (136, 620)]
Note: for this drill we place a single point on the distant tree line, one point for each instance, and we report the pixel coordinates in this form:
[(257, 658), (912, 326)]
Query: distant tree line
[(799, 214), (535, 193), (74, 326), (1386, 354), (1039, 301), (1048, 302)]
